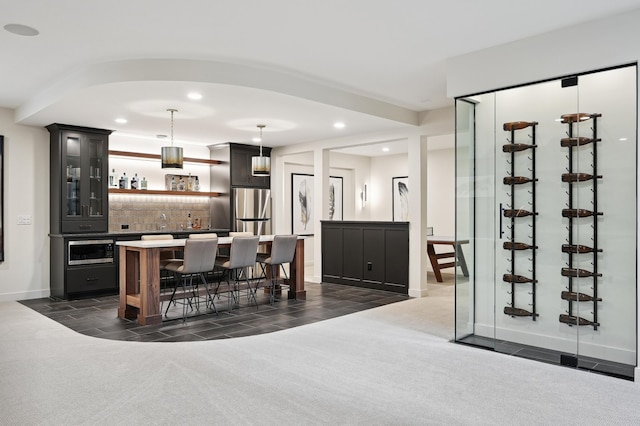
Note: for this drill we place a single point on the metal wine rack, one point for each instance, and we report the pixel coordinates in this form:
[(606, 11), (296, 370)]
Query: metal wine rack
[(577, 180), (519, 216)]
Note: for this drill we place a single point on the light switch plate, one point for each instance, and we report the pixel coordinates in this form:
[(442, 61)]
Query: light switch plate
[(24, 219)]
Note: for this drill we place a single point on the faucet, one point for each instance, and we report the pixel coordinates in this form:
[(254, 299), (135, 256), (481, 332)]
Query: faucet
[(163, 221)]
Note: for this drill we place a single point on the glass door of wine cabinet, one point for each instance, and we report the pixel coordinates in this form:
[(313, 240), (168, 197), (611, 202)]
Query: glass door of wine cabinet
[(546, 195)]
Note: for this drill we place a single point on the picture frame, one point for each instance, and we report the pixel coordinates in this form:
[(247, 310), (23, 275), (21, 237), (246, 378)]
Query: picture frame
[(336, 198), (400, 198), (302, 198)]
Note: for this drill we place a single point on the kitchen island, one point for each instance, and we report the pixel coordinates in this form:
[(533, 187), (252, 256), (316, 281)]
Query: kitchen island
[(139, 267)]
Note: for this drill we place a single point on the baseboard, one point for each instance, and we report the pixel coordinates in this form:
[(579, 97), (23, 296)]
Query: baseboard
[(25, 295)]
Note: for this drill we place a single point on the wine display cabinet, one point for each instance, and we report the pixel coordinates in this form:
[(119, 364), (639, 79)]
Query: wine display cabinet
[(546, 196)]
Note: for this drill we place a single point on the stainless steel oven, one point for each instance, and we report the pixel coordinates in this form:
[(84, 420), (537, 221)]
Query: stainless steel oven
[(84, 252)]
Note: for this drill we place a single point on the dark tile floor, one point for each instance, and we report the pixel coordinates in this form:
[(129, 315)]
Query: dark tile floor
[(98, 316)]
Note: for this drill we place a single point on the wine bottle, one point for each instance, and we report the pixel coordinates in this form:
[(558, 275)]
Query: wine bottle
[(515, 147), (577, 248), (580, 273), (509, 245), (518, 125), (517, 213), (517, 312), (123, 183), (567, 142), (134, 182), (113, 179), (578, 297), (579, 213), (516, 180), (143, 183), (573, 320), (578, 177), (581, 116), (518, 279)]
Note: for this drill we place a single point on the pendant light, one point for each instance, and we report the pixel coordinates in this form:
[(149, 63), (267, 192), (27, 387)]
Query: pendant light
[(260, 166), (171, 155)]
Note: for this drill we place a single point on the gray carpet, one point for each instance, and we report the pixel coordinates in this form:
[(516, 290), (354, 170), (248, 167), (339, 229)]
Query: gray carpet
[(382, 366)]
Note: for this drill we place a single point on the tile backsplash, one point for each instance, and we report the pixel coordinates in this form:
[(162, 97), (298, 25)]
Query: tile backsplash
[(144, 212)]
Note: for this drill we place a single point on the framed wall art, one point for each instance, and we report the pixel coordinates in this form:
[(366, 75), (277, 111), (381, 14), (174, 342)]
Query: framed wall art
[(336, 198), (301, 204), (400, 197)]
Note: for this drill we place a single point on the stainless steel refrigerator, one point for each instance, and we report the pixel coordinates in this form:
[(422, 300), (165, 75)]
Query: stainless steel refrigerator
[(251, 210)]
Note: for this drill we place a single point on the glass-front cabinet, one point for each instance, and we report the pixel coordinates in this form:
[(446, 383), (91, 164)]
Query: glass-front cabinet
[(79, 174), (546, 196)]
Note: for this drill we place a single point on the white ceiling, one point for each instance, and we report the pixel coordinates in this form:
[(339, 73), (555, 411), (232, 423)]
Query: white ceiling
[(295, 65)]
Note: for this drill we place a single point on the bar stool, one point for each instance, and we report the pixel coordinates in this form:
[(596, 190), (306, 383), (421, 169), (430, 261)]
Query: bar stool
[(199, 257), (283, 249), (242, 256)]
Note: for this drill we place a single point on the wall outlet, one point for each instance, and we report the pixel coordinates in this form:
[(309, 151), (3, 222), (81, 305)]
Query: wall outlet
[(124, 226), (24, 219)]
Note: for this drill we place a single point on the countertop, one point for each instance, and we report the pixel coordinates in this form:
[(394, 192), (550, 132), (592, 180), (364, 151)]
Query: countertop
[(137, 234)]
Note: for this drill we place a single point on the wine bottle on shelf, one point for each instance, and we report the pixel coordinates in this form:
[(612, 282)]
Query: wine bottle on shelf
[(573, 320), (517, 180), (579, 213), (580, 116), (517, 312), (578, 248), (134, 182), (568, 142), (512, 245), (579, 273), (190, 182), (517, 213), (143, 183), (518, 125), (515, 147), (518, 279), (173, 185), (181, 185), (578, 177), (578, 297)]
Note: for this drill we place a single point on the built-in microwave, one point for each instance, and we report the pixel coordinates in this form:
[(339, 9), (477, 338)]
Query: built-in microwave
[(83, 252)]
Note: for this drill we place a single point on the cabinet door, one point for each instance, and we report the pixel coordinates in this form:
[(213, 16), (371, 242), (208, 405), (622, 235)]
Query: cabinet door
[(241, 167), (84, 202)]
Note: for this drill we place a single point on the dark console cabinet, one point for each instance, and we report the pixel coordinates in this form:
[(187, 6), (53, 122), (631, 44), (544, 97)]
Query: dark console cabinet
[(366, 254)]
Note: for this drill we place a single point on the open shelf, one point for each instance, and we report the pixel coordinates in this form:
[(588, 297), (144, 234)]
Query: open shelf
[(157, 157), (161, 192)]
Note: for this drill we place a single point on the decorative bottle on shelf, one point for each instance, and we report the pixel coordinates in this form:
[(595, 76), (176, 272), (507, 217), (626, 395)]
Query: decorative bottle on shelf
[(181, 185), (196, 186), (134, 182), (123, 183), (190, 183), (113, 179), (174, 184), (143, 183), (189, 223)]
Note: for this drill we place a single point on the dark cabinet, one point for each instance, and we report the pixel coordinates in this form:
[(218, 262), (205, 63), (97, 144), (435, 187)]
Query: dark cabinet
[(79, 172), (83, 266), (240, 164), (366, 254)]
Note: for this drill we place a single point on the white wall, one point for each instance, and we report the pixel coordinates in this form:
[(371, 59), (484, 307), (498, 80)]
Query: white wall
[(24, 274)]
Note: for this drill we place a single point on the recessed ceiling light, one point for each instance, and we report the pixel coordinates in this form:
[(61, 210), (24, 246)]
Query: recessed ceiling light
[(385, 149), (121, 120), (256, 139), (622, 139), (22, 30), (161, 136), (338, 125), (194, 96)]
